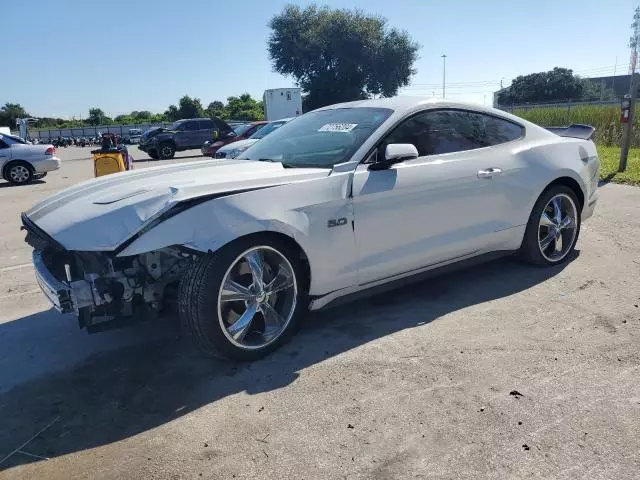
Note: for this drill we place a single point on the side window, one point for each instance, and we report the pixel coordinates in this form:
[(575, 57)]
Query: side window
[(207, 125), (192, 125), (3, 144), (446, 131)]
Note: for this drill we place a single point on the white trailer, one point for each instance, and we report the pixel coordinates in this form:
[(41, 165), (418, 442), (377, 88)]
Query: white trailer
[(5, 130), (282, 103)]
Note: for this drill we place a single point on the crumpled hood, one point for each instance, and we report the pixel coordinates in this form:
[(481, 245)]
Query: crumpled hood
[(102, 213)]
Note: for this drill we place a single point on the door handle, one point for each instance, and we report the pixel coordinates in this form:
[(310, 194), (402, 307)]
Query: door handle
[(489, 172)]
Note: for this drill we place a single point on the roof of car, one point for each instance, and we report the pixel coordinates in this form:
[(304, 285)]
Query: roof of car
[(402, 103)]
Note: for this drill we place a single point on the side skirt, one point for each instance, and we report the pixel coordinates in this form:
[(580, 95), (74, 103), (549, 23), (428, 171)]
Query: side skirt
[(350, 294)]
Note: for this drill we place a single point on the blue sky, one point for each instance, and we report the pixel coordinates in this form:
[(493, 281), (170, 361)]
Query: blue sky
[(60, 59)]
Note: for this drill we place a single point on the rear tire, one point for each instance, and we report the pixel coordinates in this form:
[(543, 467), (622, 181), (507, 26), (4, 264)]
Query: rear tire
[(19, 173), (166, 150), (153, 154), (553, 227), (212, 316)]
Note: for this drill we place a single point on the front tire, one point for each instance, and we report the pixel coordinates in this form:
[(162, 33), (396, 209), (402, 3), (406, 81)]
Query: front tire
[(553, 227), (242, 302), (19, 173), (153, 154)]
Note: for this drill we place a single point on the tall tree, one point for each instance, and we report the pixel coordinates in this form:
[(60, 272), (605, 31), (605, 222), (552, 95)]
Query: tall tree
[(97, 117), (172, 113), (190, 107), (339, 55), (244, 107), (216, 109), (10, 112), (559, 84)]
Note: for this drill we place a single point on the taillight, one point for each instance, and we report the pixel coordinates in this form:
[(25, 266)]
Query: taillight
[(50, 150)]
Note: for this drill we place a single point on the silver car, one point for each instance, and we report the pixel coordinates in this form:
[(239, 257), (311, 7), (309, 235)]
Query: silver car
[(21, 162)]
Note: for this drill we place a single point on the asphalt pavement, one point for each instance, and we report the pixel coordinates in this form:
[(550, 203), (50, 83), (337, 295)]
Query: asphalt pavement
[(498, 371)]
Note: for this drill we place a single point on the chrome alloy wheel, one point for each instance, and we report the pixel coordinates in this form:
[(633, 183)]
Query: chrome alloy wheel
[(19, 173), (257, 298), (557, 227)]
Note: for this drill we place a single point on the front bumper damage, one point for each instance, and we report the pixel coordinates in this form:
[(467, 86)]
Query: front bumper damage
[(102, 290), (66, 296)]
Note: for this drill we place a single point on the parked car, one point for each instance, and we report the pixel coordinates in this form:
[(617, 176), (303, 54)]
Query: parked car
[(342, 201), (242, 132), (134, 135), (21, 163), (163, 143), (235, 149)]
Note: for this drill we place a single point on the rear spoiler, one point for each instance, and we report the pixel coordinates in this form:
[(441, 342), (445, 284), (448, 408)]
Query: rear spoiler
[(575, 130)]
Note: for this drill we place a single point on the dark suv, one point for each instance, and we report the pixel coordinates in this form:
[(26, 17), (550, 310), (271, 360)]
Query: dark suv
[(163, 143)]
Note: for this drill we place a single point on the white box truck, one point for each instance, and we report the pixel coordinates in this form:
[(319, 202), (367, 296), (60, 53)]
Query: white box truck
[(282, 103)]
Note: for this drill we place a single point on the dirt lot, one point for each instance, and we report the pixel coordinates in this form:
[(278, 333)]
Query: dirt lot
[(500, 371)]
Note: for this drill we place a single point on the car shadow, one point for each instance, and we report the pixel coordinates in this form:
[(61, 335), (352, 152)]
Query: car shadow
[(6, 184), (146, 376)]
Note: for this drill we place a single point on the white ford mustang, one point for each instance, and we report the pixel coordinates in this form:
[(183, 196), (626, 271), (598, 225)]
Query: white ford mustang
[(345, 199)]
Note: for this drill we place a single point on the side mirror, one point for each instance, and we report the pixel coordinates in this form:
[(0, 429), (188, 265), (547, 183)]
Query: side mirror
[(395, 153)]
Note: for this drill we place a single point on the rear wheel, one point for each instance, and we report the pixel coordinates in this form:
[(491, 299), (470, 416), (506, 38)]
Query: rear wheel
[(19, 173), (166, 150), (242, 302), (553, 227)]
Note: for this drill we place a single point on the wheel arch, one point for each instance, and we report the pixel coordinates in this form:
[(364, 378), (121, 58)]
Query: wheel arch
[(280, 236), (571, 183)]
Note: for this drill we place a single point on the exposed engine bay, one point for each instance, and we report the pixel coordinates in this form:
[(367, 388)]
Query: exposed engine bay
[(107, 291)]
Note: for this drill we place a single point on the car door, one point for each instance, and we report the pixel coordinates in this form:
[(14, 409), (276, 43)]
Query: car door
[(447, 204), (206, 131), (186, 135)]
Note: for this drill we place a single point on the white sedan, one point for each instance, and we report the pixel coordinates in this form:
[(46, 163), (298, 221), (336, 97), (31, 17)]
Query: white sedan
[(345, 199), (21, 162)]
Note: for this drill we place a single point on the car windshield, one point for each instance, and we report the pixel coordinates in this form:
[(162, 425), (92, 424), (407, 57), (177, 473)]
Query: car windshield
[(175, 125), (319, 139), (242, 129), (268, 128)]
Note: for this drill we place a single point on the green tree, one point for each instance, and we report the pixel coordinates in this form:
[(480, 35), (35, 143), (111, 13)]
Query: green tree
[(97, 117), (216, 109), (190, 108), (559, 84), (340, 55), (10, 112), (172, 114), (244, 107)]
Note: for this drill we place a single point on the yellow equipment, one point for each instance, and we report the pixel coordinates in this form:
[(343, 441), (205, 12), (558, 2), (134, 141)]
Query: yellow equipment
[(105, 163), (111, 158)]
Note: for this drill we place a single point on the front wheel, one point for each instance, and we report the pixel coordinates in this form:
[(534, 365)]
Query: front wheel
[(553, 227), (242, 302)]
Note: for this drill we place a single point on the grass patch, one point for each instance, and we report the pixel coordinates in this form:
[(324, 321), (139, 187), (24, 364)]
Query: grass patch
[(609, 159)]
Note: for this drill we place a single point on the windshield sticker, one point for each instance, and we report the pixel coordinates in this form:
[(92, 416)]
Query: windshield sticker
[(338, 127)]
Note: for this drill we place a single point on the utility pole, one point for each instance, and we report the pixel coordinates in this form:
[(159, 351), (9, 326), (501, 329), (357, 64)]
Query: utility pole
[(634, 42), (444, 73)]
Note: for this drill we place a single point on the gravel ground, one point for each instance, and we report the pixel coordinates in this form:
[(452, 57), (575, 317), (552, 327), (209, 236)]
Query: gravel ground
[(499, 371)]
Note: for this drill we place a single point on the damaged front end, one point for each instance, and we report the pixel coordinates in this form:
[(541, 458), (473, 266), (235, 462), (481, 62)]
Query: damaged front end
[(105, 291)]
